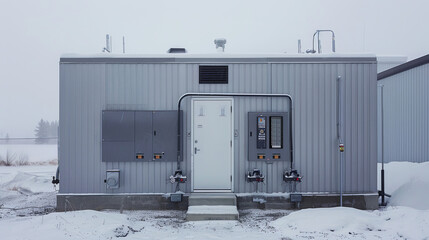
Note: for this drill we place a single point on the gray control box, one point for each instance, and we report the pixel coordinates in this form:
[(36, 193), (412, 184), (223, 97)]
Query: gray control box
[(164, 135), (117, 136), (129, 136), (143, 131), (269, 136)]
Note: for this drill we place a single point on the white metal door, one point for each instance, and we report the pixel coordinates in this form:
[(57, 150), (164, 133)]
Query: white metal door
[(212, 145)]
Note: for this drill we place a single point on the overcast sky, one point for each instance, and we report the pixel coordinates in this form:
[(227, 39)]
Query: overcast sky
[(34, 34)]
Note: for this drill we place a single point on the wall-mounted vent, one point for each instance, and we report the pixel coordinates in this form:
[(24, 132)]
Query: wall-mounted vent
[(176, 50), (213, 74)]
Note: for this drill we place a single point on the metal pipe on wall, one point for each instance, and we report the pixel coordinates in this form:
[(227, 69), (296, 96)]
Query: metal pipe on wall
[(340, 140), (179, 123), (382, 145)]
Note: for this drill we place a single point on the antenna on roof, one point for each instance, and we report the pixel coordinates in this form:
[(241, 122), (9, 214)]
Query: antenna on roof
[(123, 44), (108, 47)]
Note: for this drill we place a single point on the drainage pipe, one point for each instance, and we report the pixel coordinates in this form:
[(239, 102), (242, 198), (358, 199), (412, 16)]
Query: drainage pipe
[(271, 95), (382, 146), (339, 137)]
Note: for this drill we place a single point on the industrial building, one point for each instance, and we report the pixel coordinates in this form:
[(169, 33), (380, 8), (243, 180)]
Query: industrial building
[(403, 112), (151, 131)]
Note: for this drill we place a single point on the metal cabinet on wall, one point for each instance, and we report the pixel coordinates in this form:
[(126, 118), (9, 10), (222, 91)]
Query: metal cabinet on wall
[(269, 136), (129, 136)]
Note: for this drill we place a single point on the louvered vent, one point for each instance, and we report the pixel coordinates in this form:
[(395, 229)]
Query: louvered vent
[(213, 74)]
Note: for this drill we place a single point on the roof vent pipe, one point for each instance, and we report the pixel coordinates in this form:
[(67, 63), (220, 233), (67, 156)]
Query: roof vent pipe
[(220, 44), (319, 47), (299, 45)]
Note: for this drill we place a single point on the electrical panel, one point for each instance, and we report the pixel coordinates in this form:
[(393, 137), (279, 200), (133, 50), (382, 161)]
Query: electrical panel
[(117, 136), (143, 132), (137, 136), (164, 137), (269, 136)]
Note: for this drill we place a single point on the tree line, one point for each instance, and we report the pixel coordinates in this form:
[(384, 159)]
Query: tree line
[(46, 130)]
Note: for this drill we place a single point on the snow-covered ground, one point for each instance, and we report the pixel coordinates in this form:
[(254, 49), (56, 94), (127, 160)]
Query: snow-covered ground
[(26, 190), (27, 197)]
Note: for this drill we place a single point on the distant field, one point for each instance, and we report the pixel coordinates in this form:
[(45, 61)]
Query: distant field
[(33, 152)]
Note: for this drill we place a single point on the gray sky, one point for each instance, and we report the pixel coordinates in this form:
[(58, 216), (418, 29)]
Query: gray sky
[(34, 33)]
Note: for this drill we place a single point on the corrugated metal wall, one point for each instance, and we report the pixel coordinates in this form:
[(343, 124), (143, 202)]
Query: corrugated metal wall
[(406, 116), (86, 89)]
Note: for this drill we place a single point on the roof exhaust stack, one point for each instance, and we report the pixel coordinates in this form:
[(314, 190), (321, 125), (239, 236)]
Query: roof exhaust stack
[(108, 47), (220, 44)]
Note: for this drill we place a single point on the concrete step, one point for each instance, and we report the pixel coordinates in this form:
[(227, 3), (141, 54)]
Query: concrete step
[(212, 199), (212, 212)]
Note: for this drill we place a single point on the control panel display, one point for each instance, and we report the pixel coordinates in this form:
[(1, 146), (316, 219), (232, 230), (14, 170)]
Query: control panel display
[(269, 136), (262, 137)]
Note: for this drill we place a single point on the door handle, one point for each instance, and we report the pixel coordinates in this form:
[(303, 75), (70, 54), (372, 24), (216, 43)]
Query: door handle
[(196, 150)]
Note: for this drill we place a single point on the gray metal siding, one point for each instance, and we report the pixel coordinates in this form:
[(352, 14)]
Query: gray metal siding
[(315, 133), (87, 89), (81, 101), (406, 116)]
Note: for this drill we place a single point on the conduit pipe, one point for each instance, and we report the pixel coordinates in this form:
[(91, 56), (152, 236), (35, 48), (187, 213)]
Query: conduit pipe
[(339, 136), (271, 95)]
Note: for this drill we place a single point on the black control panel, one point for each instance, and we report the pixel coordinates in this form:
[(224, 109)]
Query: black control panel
[(269, 136), (261, 143)]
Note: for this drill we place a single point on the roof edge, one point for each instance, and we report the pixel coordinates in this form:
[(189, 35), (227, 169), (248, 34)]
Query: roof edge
[(404, 67), (217, 58)]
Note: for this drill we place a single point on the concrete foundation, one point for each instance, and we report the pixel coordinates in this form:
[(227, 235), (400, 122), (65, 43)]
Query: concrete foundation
[(73, 202), (359, 201)]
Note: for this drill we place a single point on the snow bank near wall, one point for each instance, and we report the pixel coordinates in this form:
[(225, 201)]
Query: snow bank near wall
[(350, 223), (26, 187), (340, 220), (408, 183), (407, 214)]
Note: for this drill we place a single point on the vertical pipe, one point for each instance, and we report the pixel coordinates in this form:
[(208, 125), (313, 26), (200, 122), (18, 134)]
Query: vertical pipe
[(382, 145), (299, 45), (107, 43), (340, 140), (123, 44), (319, 47)]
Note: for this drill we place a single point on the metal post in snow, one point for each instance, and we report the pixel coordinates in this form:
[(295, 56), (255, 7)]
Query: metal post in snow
[(382, 145)]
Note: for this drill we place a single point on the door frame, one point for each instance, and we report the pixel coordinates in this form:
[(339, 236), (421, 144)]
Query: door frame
[(192, 142)]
